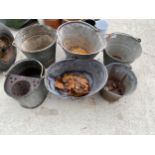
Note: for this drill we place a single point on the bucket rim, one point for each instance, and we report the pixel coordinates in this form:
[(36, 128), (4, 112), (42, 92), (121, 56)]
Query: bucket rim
[(31, 27), (83, 23), (27, 60)]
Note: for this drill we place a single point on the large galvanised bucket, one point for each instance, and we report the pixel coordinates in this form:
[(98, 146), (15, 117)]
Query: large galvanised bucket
[(37, 42), (80, 40)]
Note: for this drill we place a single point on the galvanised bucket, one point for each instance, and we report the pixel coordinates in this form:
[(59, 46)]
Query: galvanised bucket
[(122, 48), (25, 83), (37, 42), (80, 35), (125, 78)]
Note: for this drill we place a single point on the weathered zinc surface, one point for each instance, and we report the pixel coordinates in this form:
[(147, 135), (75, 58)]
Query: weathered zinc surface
[(134, 114)]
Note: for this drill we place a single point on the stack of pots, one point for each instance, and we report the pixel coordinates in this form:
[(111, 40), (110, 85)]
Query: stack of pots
[(29, 83)]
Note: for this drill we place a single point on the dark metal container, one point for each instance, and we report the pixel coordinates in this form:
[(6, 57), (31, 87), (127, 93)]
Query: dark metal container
[(25, 83), (126, 78)]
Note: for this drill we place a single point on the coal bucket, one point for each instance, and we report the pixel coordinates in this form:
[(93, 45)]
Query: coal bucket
[(37, 42), (25, 83)]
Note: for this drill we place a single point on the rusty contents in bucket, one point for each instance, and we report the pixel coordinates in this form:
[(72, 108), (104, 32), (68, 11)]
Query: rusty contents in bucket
[(115, 85), (36, 43), (79, 50), (74, 84), (5, 53)]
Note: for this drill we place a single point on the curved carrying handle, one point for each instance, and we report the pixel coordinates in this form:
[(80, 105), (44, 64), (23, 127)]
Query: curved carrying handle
[(118, 33)]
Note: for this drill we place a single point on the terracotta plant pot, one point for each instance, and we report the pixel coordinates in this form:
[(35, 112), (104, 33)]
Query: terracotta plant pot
[(53, 22)]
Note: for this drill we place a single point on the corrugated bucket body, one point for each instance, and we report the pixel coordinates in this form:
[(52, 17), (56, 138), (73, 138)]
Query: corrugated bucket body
[(25, 83), (38, 42), (81, 37), (122, 48)]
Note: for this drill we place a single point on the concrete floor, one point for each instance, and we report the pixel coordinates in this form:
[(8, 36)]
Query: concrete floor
[(133, 114)]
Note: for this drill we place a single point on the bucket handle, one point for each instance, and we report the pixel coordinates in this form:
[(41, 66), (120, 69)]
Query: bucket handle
[(114, 34), (42, 74)]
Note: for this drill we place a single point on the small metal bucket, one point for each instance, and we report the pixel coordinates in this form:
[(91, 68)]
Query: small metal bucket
[(125, 78), (38, 42), (25, 83), (7, 51), (80, 35), (122, 48)]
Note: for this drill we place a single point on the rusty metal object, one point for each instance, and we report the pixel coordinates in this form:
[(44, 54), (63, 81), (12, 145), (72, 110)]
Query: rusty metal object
[(74, 84)]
